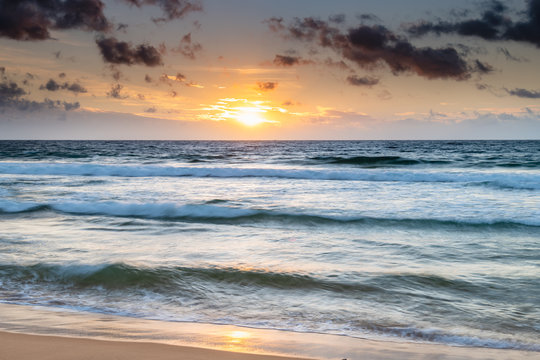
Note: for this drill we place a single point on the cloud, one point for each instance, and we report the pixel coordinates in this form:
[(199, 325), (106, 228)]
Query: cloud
[(187, 47), (180, 77), (286, 60), (172, 9), (122, 27), (482, 67), (33, 19), (52, 85), (124, 53), (10, 90), (508, 55), (338, 18), (369, 46), (290, 103), (71, 106), (267, 86), (11, 98), (148, 79), (115, 92), (493, 24), (151, 110), (524, 93), (362, 81)]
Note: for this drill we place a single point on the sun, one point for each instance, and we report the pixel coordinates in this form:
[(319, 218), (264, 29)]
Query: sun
[(250, 117)]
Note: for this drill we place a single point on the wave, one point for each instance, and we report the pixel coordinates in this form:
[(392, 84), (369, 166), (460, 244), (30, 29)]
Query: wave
[(375, 161), (514, 180), (160, 279), (441, 337), (166, 282), (218, 214)]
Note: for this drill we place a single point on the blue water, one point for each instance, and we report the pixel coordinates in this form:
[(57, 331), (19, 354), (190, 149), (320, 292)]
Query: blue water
[(435, 241)]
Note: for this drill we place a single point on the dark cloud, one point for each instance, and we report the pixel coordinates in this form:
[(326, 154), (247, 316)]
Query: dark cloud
[(33, 19), (75, 88), (337, 64), (71, 106), (148, 79), (172, 9), (180, 77), (369, 46), (151, 110), (52, 85), (286, 60), (187, 47), (493, 24), (11, 98), (508, 55), (524, 93), (482, 67), (124, 53), (121, 27), (368, 17), (482, 86), (362, 81), (30, 105), (10, 90), (267, 86), (338, 18), (115, 92)]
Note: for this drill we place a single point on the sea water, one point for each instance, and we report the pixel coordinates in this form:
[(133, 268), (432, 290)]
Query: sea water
[(432, 241)]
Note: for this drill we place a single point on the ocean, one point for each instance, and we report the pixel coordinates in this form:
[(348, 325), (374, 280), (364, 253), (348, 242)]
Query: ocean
[(421, 241)]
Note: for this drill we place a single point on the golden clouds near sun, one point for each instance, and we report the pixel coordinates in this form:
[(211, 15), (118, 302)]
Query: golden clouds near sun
[(247, 112)]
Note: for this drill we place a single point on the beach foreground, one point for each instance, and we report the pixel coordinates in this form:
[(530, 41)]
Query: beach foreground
[(26, 347), (28, 332)]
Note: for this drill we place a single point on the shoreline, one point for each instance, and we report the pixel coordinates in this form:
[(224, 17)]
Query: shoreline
[(29, 332), (20, 346), (26, 346)]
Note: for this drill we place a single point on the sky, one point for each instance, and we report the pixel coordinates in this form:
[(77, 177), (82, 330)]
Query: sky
[(254, 69)]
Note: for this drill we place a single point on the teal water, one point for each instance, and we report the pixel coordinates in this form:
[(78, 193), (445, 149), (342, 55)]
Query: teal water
[(431, 241)]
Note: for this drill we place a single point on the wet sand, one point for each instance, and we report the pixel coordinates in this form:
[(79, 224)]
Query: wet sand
[(37, 333)]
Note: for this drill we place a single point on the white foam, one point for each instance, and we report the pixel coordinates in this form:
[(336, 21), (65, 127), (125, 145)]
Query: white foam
[(514, 179), (157, 210), (216, 212)]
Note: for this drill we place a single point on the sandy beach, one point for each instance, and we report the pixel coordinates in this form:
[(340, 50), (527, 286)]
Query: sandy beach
[(25, 347), (28, 332)]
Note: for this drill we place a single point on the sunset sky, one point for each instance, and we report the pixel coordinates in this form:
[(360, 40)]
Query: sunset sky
[(253, 69)]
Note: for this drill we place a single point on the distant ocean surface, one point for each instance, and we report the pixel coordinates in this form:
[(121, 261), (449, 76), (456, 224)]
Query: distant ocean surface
[(432, 241)]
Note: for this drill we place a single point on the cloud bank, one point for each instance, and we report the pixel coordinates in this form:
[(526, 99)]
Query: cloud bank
[(370, 46)]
